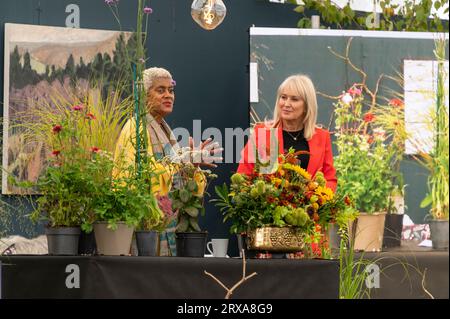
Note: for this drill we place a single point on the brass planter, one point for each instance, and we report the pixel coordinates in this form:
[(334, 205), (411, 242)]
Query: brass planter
[(280, 239)]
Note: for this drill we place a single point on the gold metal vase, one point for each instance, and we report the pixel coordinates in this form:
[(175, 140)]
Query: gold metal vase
[(279, 239)]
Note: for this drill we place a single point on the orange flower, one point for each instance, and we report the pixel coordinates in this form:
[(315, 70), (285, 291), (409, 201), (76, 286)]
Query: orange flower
[(90, 116), (396, 102)]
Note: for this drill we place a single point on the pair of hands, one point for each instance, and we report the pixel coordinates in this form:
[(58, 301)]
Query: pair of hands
[(205, 154)]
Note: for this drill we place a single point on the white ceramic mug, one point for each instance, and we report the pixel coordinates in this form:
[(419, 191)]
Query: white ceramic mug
[(218, 247)]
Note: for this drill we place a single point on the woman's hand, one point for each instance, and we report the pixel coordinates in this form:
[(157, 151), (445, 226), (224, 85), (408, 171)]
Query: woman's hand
[(204, 154)]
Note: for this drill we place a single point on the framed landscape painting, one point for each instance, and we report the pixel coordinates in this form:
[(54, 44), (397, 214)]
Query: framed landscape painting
[(41, 62)]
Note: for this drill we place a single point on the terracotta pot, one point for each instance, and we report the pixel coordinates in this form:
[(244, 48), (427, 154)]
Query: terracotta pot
[(368, 231), (113, 242)]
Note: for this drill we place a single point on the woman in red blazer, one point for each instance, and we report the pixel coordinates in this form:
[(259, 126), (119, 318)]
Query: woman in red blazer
[(294, 125)]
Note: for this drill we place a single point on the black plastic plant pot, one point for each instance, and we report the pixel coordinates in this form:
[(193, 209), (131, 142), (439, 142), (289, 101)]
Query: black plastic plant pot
[(191, 244)]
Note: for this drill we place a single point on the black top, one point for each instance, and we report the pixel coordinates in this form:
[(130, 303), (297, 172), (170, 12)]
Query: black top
[(297, 141)]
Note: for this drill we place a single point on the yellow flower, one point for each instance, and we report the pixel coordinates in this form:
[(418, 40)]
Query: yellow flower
[(297, 169), (325, 193), (315, 206), (276, 181), (200, 179)]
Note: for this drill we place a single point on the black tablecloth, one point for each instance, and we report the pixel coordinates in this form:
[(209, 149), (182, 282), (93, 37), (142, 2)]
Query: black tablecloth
[(403, 274), (164, 277)]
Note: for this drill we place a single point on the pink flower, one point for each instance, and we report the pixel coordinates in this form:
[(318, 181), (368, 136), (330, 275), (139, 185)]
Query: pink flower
[(56, 129), (165, 204), (148, 10), (91, 116), (354, 91), (78, 107), (95, 149), (174, 83)]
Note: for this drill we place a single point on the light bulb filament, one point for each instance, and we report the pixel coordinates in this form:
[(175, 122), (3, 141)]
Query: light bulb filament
[(208, 16)]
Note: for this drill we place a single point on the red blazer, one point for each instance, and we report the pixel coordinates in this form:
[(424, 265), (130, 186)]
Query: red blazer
[(320, 157)]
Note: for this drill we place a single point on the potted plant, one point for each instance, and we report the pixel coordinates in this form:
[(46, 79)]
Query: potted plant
[(120, 202), (74, 129), (337, 217), (389, 116), (187, 198), (147, 233), (286, 204), (61, 206), (65, 186), (437, 162), (363, 167)]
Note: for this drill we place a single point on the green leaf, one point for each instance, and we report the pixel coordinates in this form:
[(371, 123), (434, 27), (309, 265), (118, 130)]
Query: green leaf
[(183, 224), (437, 5), (194, 224), (191, 186), (426, 201), (177, 204), (299, 9), (185, 195), (192, 211)]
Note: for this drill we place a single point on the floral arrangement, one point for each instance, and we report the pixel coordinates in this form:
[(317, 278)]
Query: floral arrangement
[(289, 196), (363, 164)]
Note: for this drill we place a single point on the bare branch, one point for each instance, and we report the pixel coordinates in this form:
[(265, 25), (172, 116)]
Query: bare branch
[(331, 97), (243, 279), (213, 277)]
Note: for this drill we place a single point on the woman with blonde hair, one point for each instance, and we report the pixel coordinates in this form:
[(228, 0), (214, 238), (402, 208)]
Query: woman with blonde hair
[(294, 126)]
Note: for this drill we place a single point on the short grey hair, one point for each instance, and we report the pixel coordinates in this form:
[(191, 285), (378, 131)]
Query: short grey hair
[(155, 73)]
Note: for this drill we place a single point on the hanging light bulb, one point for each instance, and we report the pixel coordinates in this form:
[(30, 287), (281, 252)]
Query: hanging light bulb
[(208, 13)]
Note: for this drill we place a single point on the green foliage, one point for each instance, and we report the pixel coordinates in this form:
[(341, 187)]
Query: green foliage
[(410, 16), (437, 162), (188, 195), (352, 274), (363, 160), (126, 198)]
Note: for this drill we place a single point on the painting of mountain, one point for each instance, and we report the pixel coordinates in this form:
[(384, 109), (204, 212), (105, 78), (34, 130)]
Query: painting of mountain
[(42, 59)]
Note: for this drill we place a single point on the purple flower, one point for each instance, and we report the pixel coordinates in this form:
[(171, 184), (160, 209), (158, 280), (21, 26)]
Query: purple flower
[(174, 83), (110, 2), (148, 10)]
